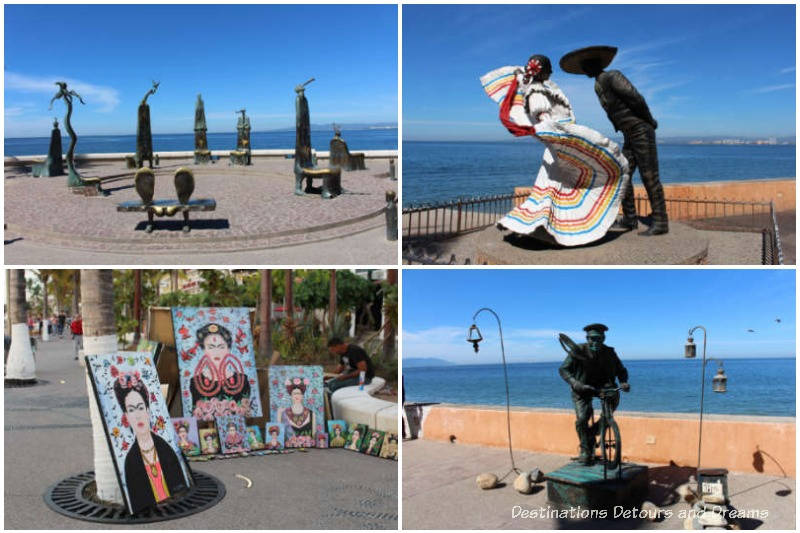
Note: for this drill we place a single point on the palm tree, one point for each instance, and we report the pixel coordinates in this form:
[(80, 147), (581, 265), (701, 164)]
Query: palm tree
[(332, 301), (99, 337), (265, 315), (21, 366), (76, 292)]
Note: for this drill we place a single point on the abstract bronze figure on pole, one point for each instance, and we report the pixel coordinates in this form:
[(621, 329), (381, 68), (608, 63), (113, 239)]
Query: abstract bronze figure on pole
[(75, 179), (202, 155), (144, 137), (302, 146), (628, 112), (241, 156)]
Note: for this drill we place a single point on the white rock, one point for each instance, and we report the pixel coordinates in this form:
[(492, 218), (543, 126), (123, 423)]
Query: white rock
[(486, 481), (686, 493), (523, 484), (650, 511), (709, 519)]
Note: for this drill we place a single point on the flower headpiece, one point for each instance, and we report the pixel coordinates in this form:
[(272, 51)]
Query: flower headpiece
[(296, 383), (127, 380)]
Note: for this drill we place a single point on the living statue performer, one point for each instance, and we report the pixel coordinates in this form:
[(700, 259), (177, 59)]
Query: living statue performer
[(75, 179), (587, 368), (202, 154), (302, 146), (144, 137), (628, 112), (576, 194), (53, 165)]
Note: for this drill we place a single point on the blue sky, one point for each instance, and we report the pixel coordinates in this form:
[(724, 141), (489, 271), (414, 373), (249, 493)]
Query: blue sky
[(649, 312), (242, 55), (720, 70)]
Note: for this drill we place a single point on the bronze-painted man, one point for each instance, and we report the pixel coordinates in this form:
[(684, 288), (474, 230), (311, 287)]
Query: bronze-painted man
[(587, 368), (628, 112)]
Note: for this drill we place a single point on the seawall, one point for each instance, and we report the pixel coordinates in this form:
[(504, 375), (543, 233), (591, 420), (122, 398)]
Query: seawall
[(780, 191), (750, 444)]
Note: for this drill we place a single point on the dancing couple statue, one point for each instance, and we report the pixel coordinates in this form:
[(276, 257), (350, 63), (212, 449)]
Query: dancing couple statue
[(584, 176)]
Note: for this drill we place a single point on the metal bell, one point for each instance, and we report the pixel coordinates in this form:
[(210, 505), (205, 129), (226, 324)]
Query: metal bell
[(474, 336), (719, 382), (690, 350)]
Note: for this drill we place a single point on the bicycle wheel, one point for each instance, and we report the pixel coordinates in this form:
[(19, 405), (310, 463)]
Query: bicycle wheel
[(611, 444)]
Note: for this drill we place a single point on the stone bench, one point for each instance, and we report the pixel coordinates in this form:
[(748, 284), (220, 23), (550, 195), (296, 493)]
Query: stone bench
[(360, 407), (331, 181), (184, 186)]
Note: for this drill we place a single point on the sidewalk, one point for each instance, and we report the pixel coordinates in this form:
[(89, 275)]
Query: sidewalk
[(48, 437), (439, 492)]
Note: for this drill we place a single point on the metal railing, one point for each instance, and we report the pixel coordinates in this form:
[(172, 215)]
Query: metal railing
[(457, 217)]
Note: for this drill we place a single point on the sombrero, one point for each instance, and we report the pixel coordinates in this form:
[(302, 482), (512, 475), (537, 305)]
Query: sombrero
[(571, 62)]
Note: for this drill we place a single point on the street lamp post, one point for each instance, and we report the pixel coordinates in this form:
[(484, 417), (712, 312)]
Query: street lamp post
[(690, 352), (474, 337)]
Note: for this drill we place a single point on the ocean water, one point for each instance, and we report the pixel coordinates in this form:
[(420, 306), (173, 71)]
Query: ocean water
[(439, 171), (755, 386), (365, 139)]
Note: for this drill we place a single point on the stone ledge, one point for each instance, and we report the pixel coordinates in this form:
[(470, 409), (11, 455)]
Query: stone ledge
[(360, 407)]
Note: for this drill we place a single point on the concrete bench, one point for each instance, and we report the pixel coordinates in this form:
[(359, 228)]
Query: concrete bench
[(360, 407), (331, 181)]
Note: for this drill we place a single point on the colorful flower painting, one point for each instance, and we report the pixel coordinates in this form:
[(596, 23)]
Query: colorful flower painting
[(337, 433), (233, 434), (188, 438), (274, 436), (357, 435), (143, 443), (216, 362), (296, 401), (209, 441)]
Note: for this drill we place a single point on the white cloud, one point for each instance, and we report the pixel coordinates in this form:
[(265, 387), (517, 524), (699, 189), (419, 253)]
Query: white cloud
[(772, 88), (104, 98), (787, 70)]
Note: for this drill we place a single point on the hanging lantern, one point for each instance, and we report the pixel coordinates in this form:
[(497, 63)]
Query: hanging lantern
[(720, 381), (690, 350), (474, 336)]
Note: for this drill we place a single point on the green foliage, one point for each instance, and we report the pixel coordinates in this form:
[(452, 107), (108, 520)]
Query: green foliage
[(313, 291), (352, 291), (301, 342)]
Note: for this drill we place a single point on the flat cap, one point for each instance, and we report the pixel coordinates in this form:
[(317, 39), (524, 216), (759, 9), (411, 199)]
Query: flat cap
[(602, 328)]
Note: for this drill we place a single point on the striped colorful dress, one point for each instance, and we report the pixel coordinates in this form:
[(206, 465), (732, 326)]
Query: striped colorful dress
[(577, 192)]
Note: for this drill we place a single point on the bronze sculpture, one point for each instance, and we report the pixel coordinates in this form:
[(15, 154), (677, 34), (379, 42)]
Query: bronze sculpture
[(202, 154), (302, 145), (144, 137), (75, 179), (241, 156), (53, 165), (628, 112), (588, 368)]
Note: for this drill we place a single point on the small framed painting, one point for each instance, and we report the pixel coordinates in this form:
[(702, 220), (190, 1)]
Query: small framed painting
[(389, 448), (337, 433), (274, 439), (356, 437), (372, 442), (209, 441), (254, 438), (232, 434), (322, 440), (188, 438)]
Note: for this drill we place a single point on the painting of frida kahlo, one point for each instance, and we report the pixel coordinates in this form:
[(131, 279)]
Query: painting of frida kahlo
[(144, 446), (296, 401), (216, 362)]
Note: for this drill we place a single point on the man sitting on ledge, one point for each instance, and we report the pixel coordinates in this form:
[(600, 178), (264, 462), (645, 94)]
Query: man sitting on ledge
[(352, 361)]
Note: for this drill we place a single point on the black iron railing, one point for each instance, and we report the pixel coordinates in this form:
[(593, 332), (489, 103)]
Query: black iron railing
[(457, 217)]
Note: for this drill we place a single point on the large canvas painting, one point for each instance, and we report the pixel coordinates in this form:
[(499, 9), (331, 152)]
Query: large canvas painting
[(232, 434), (188, 439), (216, 362), (143, 443), (337, 431), (295, 394)]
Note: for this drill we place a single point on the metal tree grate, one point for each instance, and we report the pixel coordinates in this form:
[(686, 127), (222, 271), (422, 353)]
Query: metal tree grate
[(68, 497)]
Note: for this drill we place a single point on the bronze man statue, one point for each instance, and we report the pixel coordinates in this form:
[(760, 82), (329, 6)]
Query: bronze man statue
[(628, 112), (587, 368)]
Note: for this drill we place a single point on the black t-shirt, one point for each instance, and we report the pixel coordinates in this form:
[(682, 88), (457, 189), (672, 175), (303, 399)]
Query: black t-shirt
[(353, 356)]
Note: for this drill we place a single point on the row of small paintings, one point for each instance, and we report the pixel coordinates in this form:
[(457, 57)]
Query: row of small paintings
[(360, 438)]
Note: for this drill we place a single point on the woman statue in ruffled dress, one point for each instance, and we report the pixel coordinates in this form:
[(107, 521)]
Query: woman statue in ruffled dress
[(577, 192)]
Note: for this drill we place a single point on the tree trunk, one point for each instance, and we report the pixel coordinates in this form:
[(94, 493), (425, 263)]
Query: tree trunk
[(99, 338), (288, 302), (388, 327), (265, 316), (76, 292), (20, 365), (332, 303), (137, 305)]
